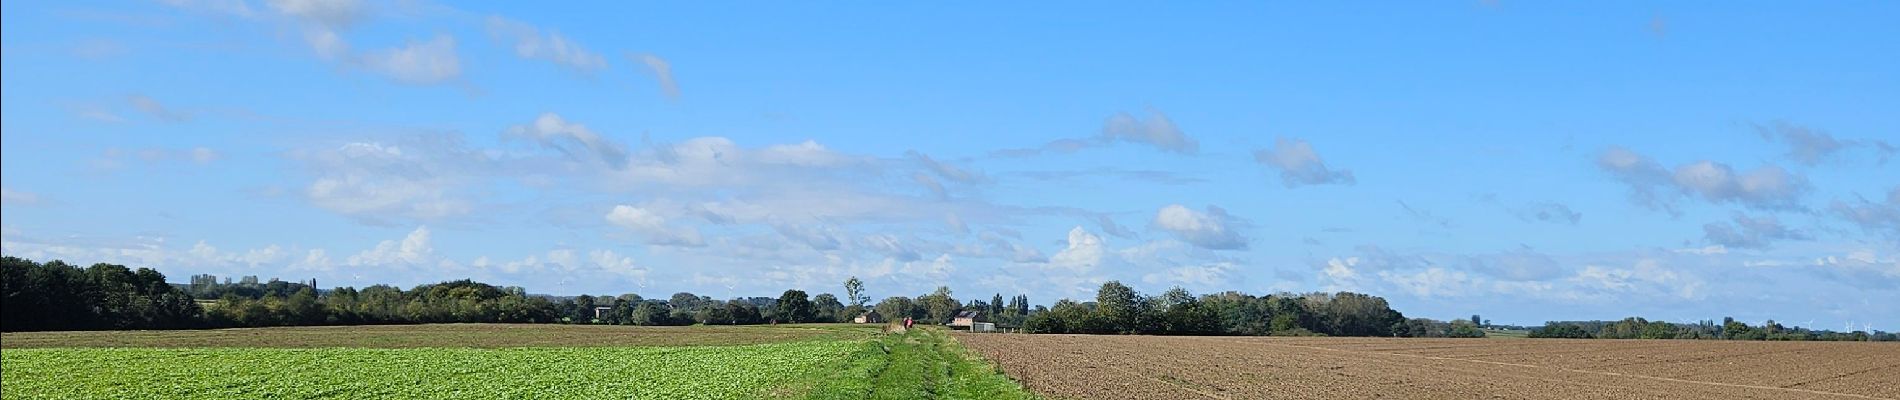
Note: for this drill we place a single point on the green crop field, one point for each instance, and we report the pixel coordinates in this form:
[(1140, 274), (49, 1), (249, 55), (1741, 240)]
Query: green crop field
[(800, 361)]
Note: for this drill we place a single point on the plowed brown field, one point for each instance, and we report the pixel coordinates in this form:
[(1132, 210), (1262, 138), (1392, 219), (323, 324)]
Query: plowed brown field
[(1163, 367)]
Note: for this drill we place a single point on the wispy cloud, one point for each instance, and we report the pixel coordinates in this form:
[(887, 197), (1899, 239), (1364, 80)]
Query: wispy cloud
[(1299, 164), (531, 42)]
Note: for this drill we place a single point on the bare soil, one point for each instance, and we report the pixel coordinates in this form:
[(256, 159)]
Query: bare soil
[(1163, 367)]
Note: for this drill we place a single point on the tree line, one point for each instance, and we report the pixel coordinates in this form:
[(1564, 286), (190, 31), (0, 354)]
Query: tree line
[(1729, 329), (1119, 309), (60, 296)]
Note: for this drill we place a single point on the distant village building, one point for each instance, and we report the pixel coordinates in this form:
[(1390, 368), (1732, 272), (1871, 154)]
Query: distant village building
[(601, 312), (964, 320), (869, 317)]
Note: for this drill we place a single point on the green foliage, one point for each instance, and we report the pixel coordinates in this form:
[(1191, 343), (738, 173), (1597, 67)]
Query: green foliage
[(897, 308), (854, 292), (938, 306), (702, 372), (60, 296), (795, 307)]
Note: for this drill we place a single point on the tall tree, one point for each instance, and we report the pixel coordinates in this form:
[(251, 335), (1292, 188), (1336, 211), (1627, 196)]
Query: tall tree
[(854, 292)]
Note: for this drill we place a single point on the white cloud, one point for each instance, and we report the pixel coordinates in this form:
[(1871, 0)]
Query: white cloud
[(1208, 230), (419, 178), (572, 139), (1084, 252), (1204, 278), (654, 227), (1768, 187), (1645, 277), (332, 13), (1432, 283), (1157, 131), (1341, 274), (1299, 164), (418, 62), (413, 250), (805, 154), (530, 43), (235, 8), (662, 73)]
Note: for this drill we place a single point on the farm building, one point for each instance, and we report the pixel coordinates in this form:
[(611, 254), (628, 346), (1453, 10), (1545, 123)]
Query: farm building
[(964, 320), (601, 312), (869, 317)]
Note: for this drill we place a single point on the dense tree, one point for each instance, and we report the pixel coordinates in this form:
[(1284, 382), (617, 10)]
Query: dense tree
[(794, 307), (899, 307), (1119, 306), (826, 308), (938, 306)]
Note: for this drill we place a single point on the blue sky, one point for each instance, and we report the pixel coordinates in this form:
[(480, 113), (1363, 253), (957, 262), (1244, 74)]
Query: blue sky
[(1524, 161)]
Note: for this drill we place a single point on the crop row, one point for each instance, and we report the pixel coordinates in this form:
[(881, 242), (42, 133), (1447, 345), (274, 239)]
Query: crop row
[(351, 373)]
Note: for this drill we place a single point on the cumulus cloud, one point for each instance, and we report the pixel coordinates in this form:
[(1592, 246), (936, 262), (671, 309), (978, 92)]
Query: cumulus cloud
[(530, 42), (1810, 147), (1299, 164), (414, 249), (662, 73), (573, 139), (1210, 230), (653, 227), (1767, 187), (418, 62), (1750, 232), (1083, 253), (1157, 131)]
